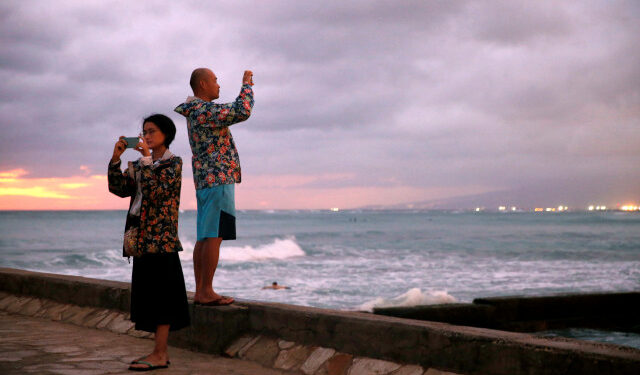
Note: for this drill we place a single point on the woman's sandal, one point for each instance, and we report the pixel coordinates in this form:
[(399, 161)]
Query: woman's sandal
[(150, 366), (141, 358)]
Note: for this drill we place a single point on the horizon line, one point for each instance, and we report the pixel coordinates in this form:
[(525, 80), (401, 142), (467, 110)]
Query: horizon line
[(471, 209)]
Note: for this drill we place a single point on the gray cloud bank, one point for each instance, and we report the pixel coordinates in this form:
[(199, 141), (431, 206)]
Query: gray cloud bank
[(430, 94)]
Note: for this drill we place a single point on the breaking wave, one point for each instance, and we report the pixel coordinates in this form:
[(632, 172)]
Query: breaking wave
[(278, 249), (413, 297)]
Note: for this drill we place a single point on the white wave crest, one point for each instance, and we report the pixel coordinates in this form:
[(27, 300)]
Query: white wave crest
[(187, 250), (278, 249), (413, 297)]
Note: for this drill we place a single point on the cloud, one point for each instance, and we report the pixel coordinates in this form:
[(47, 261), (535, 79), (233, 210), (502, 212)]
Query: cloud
[(512, 22), (422, 95)]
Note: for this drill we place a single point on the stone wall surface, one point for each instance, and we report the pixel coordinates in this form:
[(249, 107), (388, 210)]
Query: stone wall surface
[(307, 340)]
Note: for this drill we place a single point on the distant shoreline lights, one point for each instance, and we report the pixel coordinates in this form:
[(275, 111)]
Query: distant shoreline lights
[(630, 208), (562, 208)]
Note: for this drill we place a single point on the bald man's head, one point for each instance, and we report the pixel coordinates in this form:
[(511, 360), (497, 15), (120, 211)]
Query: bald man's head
[(197, 75), (204, 84)]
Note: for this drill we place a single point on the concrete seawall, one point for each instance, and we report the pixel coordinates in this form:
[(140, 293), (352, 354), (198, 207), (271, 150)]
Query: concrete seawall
[(291, 337), (612, 311)]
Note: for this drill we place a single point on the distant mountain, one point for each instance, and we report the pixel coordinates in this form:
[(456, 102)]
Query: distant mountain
[(528, 198)]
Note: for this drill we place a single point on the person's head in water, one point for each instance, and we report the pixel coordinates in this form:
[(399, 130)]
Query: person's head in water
[(158, 130), (274, 285), (204, 84)]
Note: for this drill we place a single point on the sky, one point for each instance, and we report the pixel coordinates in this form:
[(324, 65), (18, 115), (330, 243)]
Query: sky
[(357, 104)]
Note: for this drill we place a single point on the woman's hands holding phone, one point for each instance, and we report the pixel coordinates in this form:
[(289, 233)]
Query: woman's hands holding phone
[(142, 147), (121, 146), (118, 149)]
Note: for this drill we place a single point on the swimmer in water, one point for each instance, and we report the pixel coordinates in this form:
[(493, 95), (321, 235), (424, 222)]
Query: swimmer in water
[(275, 286)]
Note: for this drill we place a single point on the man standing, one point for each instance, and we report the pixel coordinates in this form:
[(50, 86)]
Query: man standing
[(216, 170)]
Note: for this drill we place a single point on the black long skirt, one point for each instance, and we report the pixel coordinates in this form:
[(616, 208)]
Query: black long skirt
[(158, 294)]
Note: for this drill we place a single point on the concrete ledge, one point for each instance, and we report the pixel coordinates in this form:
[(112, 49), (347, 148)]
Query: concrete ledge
[(351, 335), (617, 311), (440, 345), (614, 311), (76, 290), (466, 314), (212, 329)]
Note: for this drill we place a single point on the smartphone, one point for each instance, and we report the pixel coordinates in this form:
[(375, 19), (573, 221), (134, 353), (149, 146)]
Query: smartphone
[(131, 141)]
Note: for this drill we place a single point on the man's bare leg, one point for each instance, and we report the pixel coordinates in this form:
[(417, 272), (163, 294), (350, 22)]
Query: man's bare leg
[(197, 270), (210, 255)]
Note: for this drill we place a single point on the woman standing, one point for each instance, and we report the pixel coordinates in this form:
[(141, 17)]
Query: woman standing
[(158, 294)]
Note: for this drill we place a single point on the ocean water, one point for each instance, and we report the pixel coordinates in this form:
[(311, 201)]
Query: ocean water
[(355, 260)]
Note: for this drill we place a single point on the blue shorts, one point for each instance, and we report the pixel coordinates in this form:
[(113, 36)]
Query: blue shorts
[(216, 212)]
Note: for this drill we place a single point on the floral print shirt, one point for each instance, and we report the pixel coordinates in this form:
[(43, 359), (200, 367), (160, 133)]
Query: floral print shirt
[(160, 184), (215, 158)]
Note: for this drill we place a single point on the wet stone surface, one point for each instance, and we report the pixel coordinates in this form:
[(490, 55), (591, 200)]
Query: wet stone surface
[(39, 346)]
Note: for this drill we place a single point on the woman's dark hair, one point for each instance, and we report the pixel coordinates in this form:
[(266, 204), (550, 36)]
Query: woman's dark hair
[(166, 126)]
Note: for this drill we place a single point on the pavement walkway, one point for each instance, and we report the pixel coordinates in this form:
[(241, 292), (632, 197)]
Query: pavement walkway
[(41, 346)]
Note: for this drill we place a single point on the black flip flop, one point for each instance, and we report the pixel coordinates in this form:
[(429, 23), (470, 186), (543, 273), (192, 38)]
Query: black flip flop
[(138, 360), (150, 368), (216, 302)]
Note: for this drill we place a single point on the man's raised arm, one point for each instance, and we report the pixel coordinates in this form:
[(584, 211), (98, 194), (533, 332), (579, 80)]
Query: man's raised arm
[(221, 115)]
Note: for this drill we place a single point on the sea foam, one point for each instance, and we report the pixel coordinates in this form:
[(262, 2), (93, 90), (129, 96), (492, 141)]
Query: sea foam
[(278, 249), (412, 297)]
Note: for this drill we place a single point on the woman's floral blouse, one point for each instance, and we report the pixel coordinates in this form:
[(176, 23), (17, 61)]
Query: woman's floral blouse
[(215, 157), (159, 209)]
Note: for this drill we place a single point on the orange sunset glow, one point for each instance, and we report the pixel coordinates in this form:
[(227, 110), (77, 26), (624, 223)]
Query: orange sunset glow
[(81, 192), (88, 191)]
